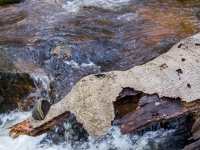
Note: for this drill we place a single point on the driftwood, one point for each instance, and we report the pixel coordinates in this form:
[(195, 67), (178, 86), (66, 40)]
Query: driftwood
[(171, 84), (25, 127)]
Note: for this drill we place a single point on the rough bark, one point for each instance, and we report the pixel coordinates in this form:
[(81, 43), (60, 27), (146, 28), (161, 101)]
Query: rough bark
[(174, 74)]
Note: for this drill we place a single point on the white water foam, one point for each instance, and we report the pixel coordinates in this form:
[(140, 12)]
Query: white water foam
[(128, 16), (23, 142), (76, 5), (82, 65), (113, 140)]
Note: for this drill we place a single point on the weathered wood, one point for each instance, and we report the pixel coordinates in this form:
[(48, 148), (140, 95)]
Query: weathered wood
[(195, 137), (196, 127), (151, 113), (193, 146), (26, 129)]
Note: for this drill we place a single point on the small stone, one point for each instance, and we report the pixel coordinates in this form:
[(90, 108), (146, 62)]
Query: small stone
[(64, 52), (40, 109)]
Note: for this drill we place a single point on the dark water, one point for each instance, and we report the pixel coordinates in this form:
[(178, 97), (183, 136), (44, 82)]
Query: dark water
[(97, 35), (102, 35)]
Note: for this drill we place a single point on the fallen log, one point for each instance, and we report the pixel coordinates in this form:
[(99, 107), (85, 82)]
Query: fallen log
[(173, 75)]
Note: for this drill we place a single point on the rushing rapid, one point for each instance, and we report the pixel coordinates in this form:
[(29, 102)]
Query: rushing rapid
[(155, 138)]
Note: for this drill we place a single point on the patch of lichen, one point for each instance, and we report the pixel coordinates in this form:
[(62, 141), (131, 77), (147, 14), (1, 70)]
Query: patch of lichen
[(3, 2), (13, 88)]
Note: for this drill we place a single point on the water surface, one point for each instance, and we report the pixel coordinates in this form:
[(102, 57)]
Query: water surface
[(102, 35)]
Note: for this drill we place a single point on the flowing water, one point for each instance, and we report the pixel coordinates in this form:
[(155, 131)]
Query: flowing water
[(155, 138), (97, 36)]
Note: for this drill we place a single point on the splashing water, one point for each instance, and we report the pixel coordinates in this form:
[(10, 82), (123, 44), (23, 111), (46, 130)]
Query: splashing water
[(112, 140), (23, 142)]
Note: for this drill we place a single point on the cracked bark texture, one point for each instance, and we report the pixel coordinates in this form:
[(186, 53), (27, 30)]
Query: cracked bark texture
[(174, 74)]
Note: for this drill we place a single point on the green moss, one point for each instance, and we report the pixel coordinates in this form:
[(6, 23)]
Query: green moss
[(3, 2)]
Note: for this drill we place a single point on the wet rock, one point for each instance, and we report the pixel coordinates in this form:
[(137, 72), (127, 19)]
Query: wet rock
[(14, 88), (64, 52), (3, 2)]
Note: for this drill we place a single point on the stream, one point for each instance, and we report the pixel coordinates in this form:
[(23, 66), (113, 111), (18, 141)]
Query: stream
[(58, 42)]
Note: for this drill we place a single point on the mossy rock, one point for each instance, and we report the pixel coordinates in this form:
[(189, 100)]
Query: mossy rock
[(14, 87), (3, 2)]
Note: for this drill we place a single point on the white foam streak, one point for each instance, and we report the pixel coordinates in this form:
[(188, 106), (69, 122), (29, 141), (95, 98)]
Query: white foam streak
[(113, 140), (82, 65), (76, 5), (128, 16)]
